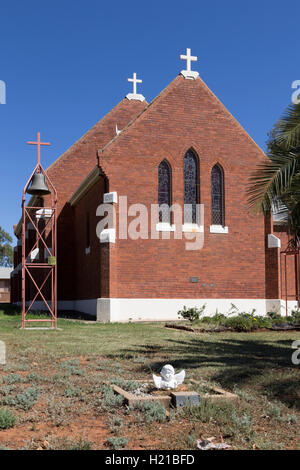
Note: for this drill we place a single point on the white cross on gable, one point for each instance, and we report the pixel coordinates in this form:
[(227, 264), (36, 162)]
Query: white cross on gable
[(134, 80), (189, 58), (188, 73), (135, 95)]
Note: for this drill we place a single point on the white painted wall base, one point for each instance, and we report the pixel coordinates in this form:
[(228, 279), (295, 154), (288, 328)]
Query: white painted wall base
[(124, 310)]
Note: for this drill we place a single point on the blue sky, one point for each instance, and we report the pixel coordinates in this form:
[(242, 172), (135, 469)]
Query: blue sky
[(66, 63)]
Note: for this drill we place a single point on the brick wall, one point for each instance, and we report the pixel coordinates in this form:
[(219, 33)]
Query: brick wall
[(187, 115), (91, 282), (4, 290)]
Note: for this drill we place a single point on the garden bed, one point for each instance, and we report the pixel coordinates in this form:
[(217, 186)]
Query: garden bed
[(224, 329)]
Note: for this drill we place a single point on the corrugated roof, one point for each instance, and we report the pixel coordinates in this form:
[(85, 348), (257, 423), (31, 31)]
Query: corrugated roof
[(5, 273)]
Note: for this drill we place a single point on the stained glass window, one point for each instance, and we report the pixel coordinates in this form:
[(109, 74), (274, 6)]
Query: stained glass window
[(217, 195), (190, 186), (164, 191)]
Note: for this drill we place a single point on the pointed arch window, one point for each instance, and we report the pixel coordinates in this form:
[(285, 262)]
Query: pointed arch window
[(164, 191), (191, 186), (217, 196)]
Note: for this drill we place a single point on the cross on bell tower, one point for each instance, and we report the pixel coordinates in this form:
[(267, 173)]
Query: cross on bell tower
[(188, 73), (135, 95), (38, 144)]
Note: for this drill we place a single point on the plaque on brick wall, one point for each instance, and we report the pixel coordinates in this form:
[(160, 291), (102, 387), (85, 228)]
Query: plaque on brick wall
[(193, 279)]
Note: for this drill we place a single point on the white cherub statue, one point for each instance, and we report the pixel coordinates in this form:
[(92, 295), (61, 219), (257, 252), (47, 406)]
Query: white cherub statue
[(168, 378)]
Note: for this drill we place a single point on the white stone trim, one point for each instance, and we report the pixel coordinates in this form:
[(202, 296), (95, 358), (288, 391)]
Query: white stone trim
[(193, 228), (135, 96), (108, 235), (35, 254), (189, 74), (110, 198), (43, 213), (165, 227), (218, 229), (273, 241)]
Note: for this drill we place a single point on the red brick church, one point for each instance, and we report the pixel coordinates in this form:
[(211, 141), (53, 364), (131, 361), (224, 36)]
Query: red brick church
[(183, 148)]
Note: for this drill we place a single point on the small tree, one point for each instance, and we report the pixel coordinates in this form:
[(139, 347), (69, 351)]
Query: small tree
[(6, 250)]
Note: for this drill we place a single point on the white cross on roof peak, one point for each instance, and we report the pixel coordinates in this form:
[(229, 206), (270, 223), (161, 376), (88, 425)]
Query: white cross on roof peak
[(135, 95), (188, 73)]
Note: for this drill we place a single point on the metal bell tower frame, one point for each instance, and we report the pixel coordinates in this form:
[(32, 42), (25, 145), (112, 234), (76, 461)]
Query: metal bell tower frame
[(41, 256)]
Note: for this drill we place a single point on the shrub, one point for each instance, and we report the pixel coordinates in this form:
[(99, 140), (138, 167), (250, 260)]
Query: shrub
[(7, 389), (7, 419), (116, 422), (71, 367), (274, 315), (275, 412), (109, 398), (279, 320), (33, 377), (242, 425), (59, 443), (296, 317), (247, 322), (127, 385), (117, 442), (12, 379), (58, 412), (154, 411), (218, 318), (23, 401), (262, 322), (221, 412), (81, 444), (73, 392), (192, 313), (240, 323)]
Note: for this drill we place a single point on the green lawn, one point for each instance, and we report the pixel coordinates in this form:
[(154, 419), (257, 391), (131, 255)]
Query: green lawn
[(255, 365)]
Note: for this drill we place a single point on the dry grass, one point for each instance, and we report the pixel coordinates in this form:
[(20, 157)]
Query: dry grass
[(66, 406)]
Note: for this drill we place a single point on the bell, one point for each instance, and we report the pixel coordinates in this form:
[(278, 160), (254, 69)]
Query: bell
[(38, 185)]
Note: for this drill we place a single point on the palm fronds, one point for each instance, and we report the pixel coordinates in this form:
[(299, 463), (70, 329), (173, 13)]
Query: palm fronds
[(275, 184), (272, 179), (287, 130)]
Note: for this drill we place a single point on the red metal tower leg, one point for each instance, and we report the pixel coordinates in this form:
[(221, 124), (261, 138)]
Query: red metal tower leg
[(43, 262)]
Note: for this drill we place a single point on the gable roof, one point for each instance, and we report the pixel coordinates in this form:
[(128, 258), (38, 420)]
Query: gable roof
[(120, 115), (91, 179), (101, 133), (156, 101)]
